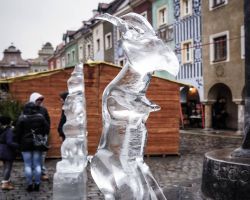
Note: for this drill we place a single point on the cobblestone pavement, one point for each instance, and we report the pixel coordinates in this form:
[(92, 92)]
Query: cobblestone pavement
[(179, 176)]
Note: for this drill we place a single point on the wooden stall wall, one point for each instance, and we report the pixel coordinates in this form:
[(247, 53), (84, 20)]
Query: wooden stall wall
[(50, 86), (163, 126)]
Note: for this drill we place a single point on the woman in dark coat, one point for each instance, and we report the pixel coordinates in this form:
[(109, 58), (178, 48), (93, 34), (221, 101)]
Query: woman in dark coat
[(31, 122), (7, 151)]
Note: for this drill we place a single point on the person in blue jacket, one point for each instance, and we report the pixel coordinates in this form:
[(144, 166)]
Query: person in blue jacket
[(7, 151)]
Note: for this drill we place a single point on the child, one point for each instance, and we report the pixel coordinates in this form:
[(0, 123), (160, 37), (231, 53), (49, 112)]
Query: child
[(7, 151)]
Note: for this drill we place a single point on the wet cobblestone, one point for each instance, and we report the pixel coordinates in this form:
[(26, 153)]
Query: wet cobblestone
[(179, 176)]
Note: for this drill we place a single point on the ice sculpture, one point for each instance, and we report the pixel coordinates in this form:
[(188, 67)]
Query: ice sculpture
[(118, 167), (70, 178)]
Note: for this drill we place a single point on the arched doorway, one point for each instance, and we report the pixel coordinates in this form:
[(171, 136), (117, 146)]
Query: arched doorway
[(224, 110), (191, 107)]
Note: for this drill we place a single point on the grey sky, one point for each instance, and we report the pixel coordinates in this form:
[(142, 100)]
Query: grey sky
[(31, 23)]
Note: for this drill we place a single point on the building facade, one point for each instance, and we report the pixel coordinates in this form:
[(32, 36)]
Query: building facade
[(188, 43), (163, 22), (188, 48), (119, 56), (12, 63), (195, 30), (223, 61), (98, 41), (40, 63), (89, 47), (71, 49), (108, 42)]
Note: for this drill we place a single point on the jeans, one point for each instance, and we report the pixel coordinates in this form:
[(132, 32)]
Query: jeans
[(32, 166), (7, 166)]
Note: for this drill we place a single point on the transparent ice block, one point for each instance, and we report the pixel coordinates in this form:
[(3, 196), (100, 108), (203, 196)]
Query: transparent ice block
[(118, 167), (70, 179)]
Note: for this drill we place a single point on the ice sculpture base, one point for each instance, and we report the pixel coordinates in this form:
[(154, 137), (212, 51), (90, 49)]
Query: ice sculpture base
[(65, 166), (70, 186), (224, 176)]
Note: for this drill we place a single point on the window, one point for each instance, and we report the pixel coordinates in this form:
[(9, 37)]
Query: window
[(121, 62), (80, 52), (144, 14), (217, 3), (162, 16), (119, 34), (166, 33), (58, 63), (68, 58), (187, 52), (73, 56), (108, 41), (97, 45), (186, 7), (219, 47), (242, 34), (88, 50), (12, 63), (63, 62)]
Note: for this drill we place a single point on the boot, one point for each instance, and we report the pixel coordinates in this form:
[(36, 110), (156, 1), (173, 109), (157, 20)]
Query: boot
[(7, 185), (37, 187), (29, 188)]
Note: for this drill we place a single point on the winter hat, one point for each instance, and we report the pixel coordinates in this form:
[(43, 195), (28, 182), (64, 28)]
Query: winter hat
[(34, 96)]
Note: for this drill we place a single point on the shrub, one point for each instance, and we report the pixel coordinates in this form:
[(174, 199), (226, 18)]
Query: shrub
[(11, 108)]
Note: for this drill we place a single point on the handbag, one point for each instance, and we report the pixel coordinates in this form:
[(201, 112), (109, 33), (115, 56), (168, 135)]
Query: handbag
[(40, 142)]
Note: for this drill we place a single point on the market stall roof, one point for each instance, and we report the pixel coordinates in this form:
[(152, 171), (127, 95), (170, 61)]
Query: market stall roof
[(90, 63)]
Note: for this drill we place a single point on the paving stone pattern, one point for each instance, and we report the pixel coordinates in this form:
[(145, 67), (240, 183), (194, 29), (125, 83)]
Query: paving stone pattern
[(179, 176)]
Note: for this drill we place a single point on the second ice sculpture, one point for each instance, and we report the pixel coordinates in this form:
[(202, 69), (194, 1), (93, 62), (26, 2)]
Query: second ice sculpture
[(70, 178), (118, 167)]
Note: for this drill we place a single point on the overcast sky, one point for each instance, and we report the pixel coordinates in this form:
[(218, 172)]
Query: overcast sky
[(29, 24)]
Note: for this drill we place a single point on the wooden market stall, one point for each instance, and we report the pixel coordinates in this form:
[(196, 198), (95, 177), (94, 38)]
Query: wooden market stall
[(163, 126)]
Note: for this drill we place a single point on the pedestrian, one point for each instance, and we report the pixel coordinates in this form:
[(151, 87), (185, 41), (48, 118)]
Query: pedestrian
[(31, 122), (63, 96), (7, 151), (220, 114), (38, 99)]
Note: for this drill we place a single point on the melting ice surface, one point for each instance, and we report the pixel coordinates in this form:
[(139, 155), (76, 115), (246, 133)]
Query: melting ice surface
[(118, 167), (70, 178)]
